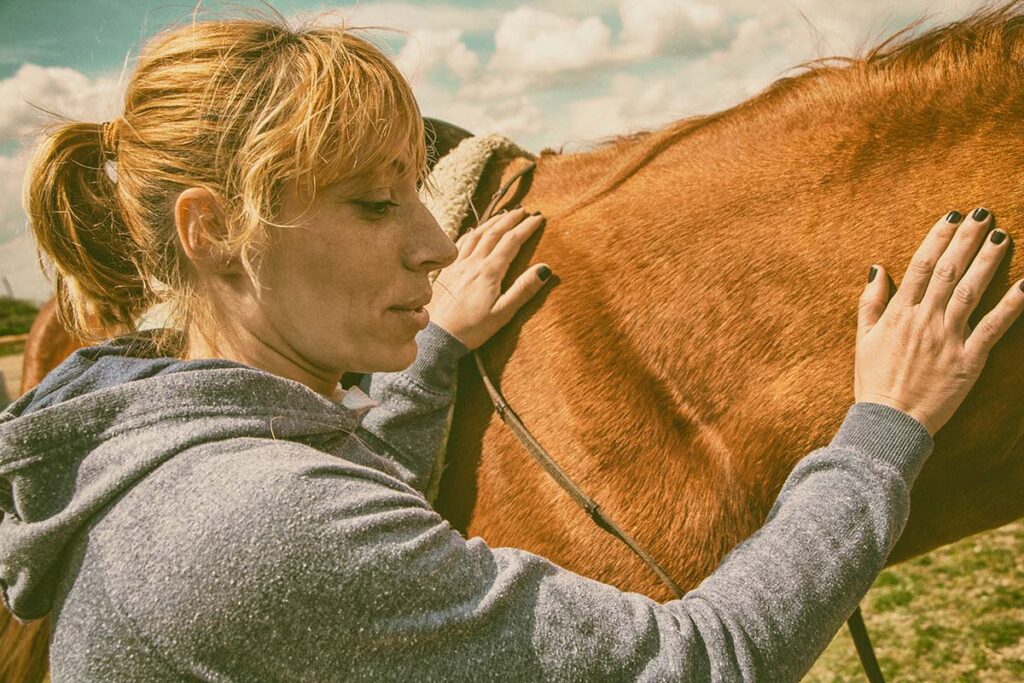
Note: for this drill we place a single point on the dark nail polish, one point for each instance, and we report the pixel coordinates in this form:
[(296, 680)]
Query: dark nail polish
[(954, 217), (871, 275), (998, 236), (980, 214), (543, 273)]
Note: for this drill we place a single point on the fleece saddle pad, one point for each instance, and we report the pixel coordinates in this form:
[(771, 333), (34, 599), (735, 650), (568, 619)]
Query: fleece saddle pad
[(448, 192)]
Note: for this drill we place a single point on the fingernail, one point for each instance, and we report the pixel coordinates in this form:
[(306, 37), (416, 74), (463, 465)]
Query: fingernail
[(954, 217), (872, 273), (543, 273), (998, 236), (980, 214)]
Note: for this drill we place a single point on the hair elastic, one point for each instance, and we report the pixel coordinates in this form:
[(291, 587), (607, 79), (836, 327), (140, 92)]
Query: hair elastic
[(109, 137), (108, 148)]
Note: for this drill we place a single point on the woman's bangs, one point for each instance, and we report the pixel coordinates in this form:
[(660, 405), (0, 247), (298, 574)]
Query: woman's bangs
[(376, 157)]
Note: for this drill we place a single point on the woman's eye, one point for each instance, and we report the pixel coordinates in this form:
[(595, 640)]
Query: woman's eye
[(379, 209)]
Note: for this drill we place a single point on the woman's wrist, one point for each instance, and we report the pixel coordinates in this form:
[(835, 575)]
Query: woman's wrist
[(437, 358)]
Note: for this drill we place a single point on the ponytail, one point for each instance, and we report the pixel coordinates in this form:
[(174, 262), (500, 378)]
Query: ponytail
[(84, 243)]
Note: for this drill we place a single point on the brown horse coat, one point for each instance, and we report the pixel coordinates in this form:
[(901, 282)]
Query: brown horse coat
[(699, 337)]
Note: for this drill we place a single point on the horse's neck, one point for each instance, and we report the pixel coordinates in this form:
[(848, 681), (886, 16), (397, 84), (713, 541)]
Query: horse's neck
[(728, 265)]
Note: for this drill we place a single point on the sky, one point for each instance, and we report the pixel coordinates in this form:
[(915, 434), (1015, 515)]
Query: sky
[(546, 74)]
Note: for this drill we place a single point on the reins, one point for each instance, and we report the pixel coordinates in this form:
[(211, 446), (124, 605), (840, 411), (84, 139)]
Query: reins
[(856, 621)]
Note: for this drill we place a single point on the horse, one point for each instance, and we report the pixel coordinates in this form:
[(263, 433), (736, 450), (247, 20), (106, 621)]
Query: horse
[(699, 335), (698, 338)]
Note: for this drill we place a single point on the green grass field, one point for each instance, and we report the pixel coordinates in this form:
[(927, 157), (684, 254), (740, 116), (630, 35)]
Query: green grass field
[(956, 614)]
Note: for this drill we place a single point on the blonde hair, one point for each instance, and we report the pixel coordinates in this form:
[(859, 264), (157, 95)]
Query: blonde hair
[(239, 107)]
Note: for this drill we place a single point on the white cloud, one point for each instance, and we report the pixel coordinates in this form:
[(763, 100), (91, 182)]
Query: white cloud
[(427, 49), (61, 90), (512, 117), (515, 117), (530, 40), (18, 264), (406, 16), (633, 103), (534, 47), (17, 249), (765, 45), (12, 172), (652, 27), (804, 29)]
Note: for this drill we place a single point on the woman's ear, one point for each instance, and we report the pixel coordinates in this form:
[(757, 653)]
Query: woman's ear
[(199, 221)]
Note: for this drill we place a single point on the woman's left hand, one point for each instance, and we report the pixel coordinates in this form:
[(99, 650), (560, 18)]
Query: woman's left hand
[(468, 302)]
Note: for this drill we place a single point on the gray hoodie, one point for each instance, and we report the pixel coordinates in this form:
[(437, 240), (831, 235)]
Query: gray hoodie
[(206, 520)]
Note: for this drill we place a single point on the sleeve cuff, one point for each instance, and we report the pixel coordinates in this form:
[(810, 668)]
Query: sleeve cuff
[(438, 357), (886, 434)]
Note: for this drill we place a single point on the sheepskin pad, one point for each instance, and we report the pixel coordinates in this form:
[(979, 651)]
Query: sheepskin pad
[(449, 192)]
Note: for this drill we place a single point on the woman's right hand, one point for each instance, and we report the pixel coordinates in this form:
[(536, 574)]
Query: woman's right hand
[(917, 353)]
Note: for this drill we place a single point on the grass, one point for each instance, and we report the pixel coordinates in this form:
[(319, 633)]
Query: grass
[(956, 614), (16, 317)]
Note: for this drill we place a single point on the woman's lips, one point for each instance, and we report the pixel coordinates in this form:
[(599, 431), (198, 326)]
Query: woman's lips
[(418, 316)]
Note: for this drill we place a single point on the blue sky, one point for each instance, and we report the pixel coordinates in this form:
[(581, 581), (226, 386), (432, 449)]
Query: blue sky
[(543, 73)]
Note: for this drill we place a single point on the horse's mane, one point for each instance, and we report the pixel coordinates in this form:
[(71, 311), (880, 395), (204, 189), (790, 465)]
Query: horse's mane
[(985, 44)]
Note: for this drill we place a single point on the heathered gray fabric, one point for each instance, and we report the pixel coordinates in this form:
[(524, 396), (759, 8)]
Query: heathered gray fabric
[(204, 520)]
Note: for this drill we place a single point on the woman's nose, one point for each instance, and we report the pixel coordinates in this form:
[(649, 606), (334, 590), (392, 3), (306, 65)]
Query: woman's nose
[(433, 249)]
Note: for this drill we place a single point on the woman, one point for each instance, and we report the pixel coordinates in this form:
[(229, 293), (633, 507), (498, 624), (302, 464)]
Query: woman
[(210, 505)]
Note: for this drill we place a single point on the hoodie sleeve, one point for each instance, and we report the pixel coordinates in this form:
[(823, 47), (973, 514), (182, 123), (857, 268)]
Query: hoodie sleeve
[(371, 584), (412, 421)]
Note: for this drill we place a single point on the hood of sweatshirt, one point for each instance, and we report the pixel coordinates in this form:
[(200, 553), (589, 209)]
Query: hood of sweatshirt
[(107, 417)]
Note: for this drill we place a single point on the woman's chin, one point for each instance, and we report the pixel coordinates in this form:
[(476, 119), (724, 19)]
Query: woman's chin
[(401, 358), (383, 355)]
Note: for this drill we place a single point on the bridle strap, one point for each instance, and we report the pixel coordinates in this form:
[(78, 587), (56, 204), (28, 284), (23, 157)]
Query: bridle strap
[(588, 504), (858, 631)]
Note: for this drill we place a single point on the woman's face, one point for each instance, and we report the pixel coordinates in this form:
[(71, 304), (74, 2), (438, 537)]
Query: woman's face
[(332, 281)]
